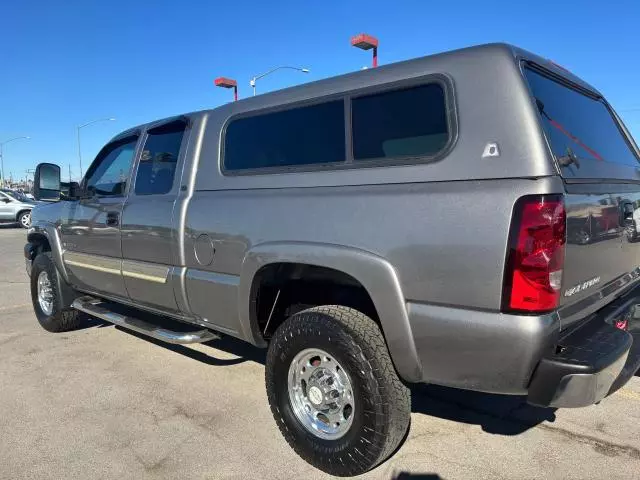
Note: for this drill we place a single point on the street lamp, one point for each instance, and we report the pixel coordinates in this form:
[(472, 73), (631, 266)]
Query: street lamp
[(2, 156), (227, 83), (366, 42), (252, 82), (78, 131)]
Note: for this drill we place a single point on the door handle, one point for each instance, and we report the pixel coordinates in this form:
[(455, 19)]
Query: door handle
[(113, 219)]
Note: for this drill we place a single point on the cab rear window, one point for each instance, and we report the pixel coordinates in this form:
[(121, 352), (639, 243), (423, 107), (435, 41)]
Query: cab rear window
[(578, 126)]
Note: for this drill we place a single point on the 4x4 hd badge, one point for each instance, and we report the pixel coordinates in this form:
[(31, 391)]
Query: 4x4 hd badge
[(581, 286)]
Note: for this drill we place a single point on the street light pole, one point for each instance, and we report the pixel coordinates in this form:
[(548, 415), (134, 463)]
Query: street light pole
[(364, 41), (2, 156), (225, 82), (78, 132), (79, 152), (252, 82)]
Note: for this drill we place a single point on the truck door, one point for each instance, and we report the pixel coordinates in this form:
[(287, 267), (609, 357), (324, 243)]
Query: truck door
[(91, 233), (148, 231)]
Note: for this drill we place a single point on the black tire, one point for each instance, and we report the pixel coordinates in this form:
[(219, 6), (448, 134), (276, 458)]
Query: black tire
[(631, 232), (584, 238), (21, 219), (62, 318), (383, 402)]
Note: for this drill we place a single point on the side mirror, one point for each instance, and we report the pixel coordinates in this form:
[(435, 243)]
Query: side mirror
[(46, 182)]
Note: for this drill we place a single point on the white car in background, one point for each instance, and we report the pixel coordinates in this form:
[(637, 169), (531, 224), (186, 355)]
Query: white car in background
[(15, 207)]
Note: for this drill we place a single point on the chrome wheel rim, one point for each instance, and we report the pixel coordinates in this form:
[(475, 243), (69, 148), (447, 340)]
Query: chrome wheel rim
[(45, 293), (321, 394), (25, 220)]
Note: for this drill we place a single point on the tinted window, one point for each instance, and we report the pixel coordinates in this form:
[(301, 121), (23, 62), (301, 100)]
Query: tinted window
[(300, 136), (110, 173), (159, 159), (577, 124), (410, 122)]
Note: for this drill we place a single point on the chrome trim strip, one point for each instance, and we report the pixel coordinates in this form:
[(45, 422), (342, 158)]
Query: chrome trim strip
[(93, 262), (214, 277), (145, 271), (93, 267), (150, 272)]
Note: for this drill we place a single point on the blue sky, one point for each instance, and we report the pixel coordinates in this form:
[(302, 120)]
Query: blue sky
[(66, 63)]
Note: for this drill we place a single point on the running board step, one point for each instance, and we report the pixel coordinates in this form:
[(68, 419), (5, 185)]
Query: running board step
[(97, 308)]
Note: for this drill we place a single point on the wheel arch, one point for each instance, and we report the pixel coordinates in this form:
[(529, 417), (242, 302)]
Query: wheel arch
[(21, 211), (376, 275), (45, 235)]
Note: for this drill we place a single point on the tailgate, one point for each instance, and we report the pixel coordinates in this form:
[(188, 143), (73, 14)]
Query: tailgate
[(602, 253), (598, 161)]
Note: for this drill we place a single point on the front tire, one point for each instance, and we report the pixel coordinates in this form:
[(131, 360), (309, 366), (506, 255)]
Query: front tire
[(53, 315), (334, 392), (24, 219)]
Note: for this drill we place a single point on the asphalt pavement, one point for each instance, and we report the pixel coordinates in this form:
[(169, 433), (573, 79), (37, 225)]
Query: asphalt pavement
[(103, 403)]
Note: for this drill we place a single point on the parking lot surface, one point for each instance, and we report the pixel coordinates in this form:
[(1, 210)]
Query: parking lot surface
[(100, 402)]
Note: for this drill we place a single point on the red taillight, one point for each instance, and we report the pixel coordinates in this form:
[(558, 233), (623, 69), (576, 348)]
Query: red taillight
[(533, 277)]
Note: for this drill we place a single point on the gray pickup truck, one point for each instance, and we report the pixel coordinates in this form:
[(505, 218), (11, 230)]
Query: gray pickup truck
[(460, 219)]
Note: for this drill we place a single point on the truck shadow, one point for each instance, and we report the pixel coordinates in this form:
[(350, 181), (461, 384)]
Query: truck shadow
[(242, 350), (495, 414), (417, 476)]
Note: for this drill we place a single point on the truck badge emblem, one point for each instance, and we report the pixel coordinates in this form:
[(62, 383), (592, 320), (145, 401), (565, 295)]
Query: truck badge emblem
[(491, 150)]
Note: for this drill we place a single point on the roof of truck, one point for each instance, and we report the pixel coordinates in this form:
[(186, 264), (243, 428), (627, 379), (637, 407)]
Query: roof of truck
[(379, 75)]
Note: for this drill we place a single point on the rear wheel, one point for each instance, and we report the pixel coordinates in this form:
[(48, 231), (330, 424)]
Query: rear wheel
[(24, 219), (334, 392), (53, 315)]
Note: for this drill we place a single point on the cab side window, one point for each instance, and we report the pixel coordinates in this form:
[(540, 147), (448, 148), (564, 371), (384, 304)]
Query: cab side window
[(159, 159), (109, 174)]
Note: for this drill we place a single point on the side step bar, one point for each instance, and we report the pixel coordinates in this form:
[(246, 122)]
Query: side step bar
[(96, 308)]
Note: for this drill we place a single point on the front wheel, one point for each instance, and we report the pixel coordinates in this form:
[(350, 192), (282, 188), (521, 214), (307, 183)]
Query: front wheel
[(24, 219), (48, 304), (334, 392)]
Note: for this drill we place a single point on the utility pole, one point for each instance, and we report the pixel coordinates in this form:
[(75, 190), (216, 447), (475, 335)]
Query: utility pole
[(69, 173), (30, 173)]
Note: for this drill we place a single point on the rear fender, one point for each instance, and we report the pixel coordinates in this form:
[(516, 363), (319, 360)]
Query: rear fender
[(375, 274)]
